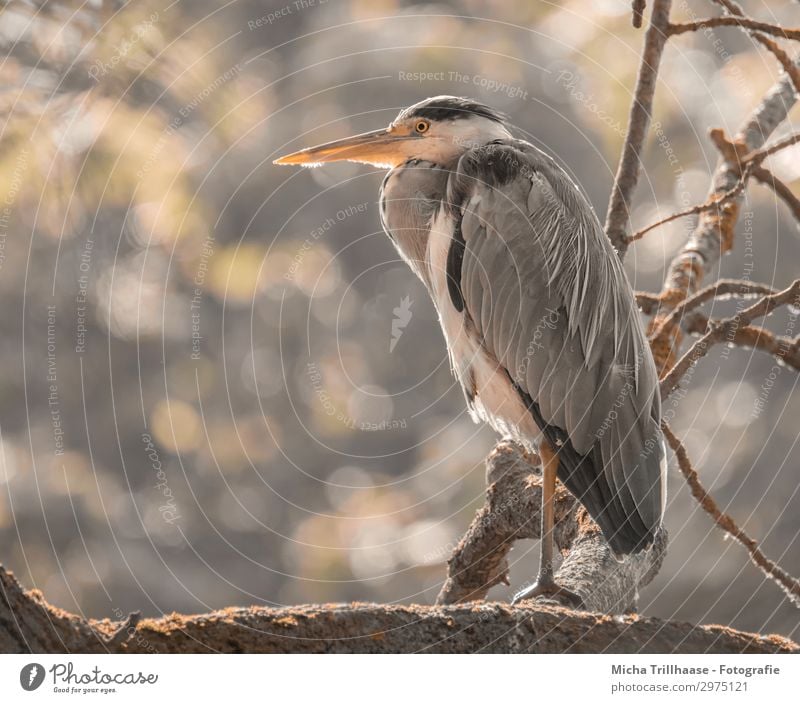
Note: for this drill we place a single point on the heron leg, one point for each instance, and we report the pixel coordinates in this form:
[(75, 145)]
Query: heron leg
[(545, 583)]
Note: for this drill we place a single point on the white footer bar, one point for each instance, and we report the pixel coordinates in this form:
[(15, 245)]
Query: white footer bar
[(402, 678)]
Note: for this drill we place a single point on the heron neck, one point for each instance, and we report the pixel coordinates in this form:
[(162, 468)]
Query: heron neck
[(410, 195)]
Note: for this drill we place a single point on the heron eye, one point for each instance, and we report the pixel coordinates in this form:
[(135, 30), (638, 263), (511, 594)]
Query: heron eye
[(421, 127)]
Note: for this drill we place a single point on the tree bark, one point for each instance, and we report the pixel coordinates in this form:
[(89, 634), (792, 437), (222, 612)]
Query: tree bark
[(513, 511), (630, 163), (28, 624), (713, 235)]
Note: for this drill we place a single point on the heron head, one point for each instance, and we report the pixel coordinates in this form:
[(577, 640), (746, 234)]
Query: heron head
[(437, 130)]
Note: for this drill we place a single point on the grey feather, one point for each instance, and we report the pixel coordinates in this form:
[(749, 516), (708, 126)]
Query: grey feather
[(546, 294)]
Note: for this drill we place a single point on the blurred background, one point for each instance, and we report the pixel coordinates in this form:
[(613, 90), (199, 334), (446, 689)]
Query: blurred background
[(202, 399)]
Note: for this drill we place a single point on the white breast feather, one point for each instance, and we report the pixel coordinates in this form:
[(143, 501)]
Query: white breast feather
[(495, 399)]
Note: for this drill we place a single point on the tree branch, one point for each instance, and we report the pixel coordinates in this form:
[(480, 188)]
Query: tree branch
[(28, 624), (748, 164), (513, 511), (790, 585), (783, 58), (647, 302), (638, 6), (724, 286), (618, 217), (713, 233), (714, 202), (767, 178), (733, 153), (725, 329), (783, 349), (759, 155), (733, 21)]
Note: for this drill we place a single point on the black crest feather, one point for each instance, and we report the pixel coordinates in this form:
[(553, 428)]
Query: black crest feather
[(449, 107)]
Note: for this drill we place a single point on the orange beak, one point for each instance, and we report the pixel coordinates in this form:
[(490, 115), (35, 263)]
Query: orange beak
[(381, 147)]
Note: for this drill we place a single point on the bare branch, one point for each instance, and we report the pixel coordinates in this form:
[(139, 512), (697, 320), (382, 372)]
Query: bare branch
[(784, 349), (29, 624), (784, 58), (618, 217), (722, 287), (767, 178), (627, 175), (725, 330), (790, 585), (735, 153), (713, 233), (512, 512), (759, 155), (647, 302), (728, 21), (715, 202), (638, 13)]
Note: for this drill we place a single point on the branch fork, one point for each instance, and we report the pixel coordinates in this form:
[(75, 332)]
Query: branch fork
[(512, 512)]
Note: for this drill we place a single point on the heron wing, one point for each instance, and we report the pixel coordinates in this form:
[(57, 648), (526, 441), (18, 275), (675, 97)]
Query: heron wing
[(550, 300)]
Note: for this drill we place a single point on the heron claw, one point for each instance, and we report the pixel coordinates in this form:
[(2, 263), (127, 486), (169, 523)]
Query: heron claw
[(552, 591)]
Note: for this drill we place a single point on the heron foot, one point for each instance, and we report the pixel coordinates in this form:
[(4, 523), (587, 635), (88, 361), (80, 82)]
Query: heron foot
[(548, 588)]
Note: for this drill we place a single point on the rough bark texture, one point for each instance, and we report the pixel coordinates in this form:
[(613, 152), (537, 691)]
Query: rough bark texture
[(29, 624), (458, 623), (713, 234), (513, 511), (605, 585)]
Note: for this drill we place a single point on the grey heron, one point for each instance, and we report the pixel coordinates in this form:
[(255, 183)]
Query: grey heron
[(539, 318)]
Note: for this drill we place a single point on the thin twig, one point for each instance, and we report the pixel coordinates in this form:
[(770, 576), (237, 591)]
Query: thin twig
[(728, 21), (790, 585), (758, 155), (638, 13), (715, 202), (713, 234), (751, 165), (766, 177), (736, 153), (647, 302), (725, 328), (618, 218), (724, 286), (784, 349), (784, 58)]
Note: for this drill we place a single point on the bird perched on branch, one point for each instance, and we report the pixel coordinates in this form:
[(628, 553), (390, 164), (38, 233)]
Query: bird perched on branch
[(540, 320)]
